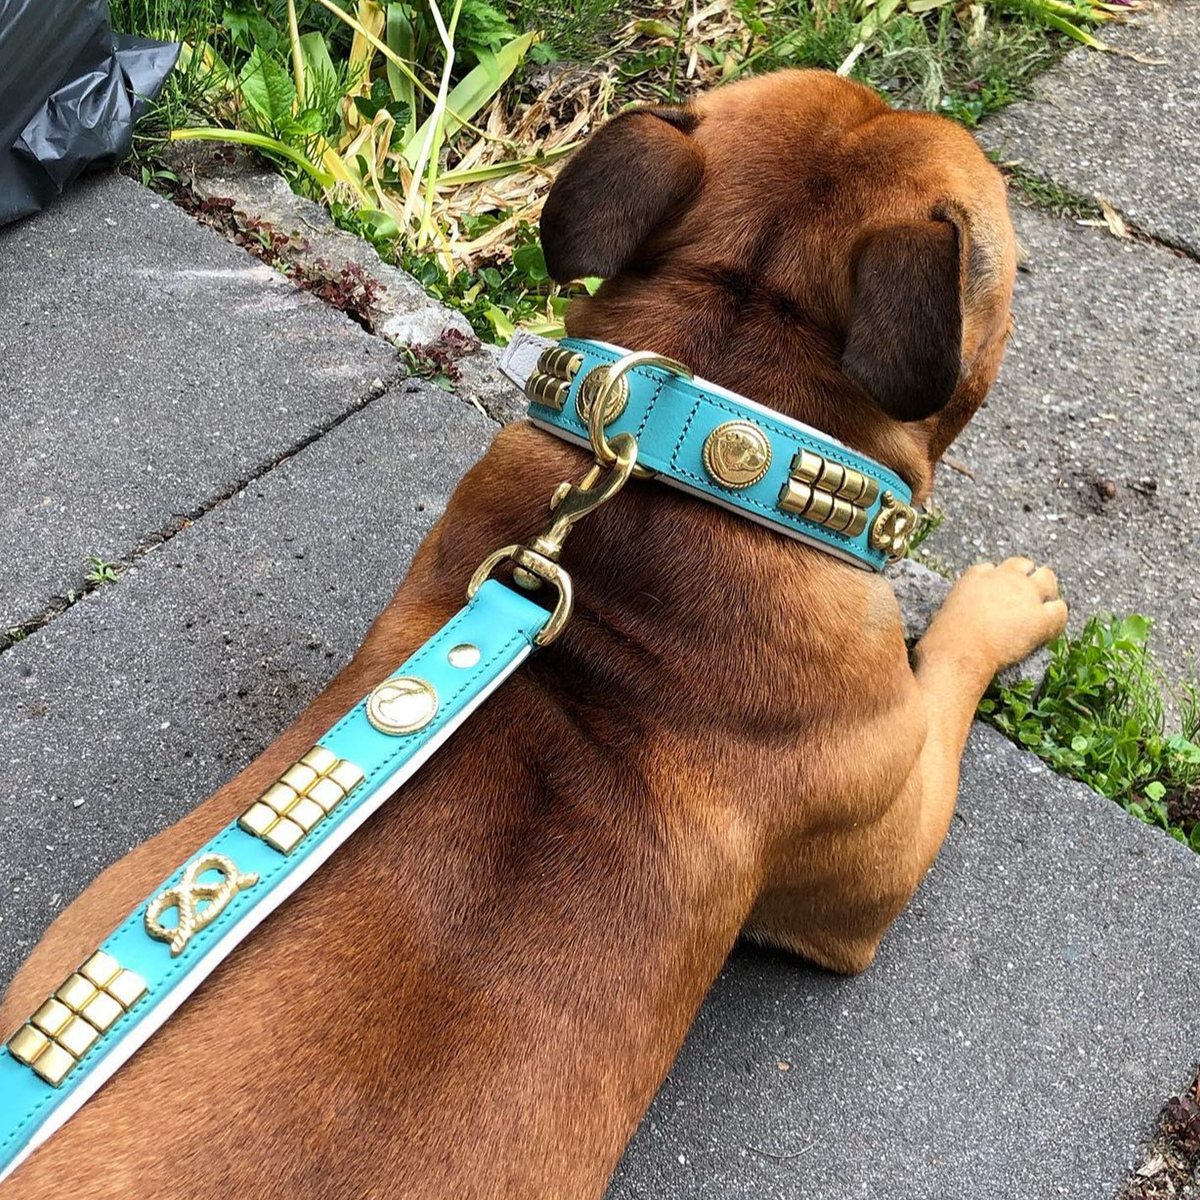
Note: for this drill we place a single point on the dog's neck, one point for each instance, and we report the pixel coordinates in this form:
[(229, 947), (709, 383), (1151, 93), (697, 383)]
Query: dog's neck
[(796, 374)]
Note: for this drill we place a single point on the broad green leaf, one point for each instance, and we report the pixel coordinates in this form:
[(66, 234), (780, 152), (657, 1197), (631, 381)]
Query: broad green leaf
[(267, 87), (401, 40), (500, 322), (244, 137), (530, 261), (322, 75), (651, 27), (303, 124), (382, 225), (477, 88)]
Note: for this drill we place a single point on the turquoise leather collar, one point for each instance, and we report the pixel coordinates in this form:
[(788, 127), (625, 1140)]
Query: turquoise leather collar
[(115, 1000), (720, 446)]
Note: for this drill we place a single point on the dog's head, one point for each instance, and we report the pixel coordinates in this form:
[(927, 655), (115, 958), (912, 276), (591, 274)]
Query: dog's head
[(796, 239)]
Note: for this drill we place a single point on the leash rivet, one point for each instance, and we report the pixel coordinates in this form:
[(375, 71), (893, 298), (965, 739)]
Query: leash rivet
[(464, 656)]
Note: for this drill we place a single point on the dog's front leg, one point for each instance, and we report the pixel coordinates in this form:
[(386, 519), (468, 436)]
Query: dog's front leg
[(993, 617)]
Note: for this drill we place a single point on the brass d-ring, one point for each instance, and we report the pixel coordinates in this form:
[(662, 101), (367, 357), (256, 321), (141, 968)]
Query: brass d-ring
[(601, 447)]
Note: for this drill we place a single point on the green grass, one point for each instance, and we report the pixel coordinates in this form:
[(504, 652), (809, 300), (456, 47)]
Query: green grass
[(958, 61), (962, 61), (1046, 193), (1099, 717)]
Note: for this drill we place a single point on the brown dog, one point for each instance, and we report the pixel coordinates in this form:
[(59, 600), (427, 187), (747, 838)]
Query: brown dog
[(481, 992)]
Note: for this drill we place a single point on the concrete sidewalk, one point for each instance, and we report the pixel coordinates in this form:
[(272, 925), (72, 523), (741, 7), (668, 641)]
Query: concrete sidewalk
[(1031, 1009)]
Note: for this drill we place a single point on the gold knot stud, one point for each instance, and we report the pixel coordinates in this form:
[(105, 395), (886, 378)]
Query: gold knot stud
[(187, 894), (893, 527)]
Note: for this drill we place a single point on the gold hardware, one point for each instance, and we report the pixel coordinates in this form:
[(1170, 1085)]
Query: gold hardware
[(185, 897), (737, 454), (542, 570), (402, 704), (594, 384), (613, 382), (536, 562), (828, 493), (77, 1036), (464, 656), (346, 775), (102, 1011), (321, 760), (51, 1017), (893, 527), (67, 1025), (284, 814), (550, 382)]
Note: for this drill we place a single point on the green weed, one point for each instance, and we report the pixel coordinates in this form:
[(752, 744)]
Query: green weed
[(1046, 193), (1098, 716), (99, 571)]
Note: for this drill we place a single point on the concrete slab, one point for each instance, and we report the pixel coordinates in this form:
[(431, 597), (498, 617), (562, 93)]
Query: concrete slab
[(149, 367), (1024, 1021), (1019, 1031), (1087, 455), (126, 711), (1109, 125)]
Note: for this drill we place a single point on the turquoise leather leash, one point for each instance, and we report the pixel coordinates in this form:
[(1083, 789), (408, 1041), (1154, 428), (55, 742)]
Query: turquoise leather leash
[(121, 994), (635, 411)]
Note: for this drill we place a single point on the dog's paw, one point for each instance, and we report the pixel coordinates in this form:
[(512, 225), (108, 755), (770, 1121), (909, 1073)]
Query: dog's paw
[(1003, 613)]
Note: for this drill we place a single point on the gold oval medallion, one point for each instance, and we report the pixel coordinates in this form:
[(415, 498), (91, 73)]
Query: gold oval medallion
[(590, 387), (402, 704), (737, 454)]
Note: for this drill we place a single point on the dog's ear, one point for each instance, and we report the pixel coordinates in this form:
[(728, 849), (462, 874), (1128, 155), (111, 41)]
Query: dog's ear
[(904, 343), (612, 194)]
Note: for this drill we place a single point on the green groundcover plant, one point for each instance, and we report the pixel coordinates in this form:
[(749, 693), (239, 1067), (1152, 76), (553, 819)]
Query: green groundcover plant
[(1099, 717), (434, 126)]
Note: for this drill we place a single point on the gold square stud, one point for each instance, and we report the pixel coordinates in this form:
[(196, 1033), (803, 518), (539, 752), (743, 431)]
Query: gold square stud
[(347, 776), (27, 1043), (319, 759), (307, 791), (51, 1017), (76, 992), (100, 968), (279, 796), (324, 792), (102, 1011), (127, 989), (298, 777), (53, 1064), (257, 819), (306, 813), (284, 835), (77, 1036)]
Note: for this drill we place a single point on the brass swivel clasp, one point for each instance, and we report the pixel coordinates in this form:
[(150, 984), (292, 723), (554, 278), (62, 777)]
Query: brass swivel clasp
[(536, 561)]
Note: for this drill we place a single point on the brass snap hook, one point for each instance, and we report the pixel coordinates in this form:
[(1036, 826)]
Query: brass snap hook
[(536, 562)]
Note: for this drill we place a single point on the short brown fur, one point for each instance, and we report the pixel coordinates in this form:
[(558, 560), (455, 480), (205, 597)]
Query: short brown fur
[(478, 997)]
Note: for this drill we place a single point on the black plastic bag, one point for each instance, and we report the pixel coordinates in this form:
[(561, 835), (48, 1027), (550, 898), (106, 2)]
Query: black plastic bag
[(70, 93)]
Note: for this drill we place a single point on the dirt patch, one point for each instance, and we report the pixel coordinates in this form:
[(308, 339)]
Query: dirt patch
[(347, 288), (1172, 1167)]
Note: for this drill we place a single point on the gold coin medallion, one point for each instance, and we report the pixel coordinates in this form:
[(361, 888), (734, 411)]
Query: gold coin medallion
[(590, 387), (737, 454), (402, 704)]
